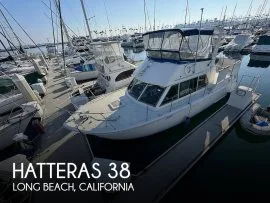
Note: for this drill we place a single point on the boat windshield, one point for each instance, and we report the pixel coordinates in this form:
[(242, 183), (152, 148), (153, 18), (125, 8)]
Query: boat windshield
[(146, 93), (6, 85), (107, 52), (264, 40), (174, 45)]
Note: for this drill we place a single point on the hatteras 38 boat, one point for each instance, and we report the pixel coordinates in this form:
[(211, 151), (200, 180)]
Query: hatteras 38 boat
[(179, 78)]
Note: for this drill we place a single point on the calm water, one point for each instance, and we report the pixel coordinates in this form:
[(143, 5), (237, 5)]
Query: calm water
[(239, 165)]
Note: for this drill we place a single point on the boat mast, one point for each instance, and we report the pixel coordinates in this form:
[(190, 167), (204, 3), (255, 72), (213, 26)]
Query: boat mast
[(231, 23), (42, 54), (144, 8), (154, 28), (62, 21), (62, 37), (6, 36), (17, 38), (8, 52), (86, 21), (53, 28)]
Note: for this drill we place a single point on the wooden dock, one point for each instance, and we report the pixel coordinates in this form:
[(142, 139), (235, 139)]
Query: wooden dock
[(157, 179)]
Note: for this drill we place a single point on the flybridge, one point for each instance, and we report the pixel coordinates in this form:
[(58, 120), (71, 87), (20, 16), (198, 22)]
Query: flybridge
[(179, 44)]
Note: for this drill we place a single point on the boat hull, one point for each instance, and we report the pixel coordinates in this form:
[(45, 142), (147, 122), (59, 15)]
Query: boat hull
[(164, 122), (7, 134), (11, 102)]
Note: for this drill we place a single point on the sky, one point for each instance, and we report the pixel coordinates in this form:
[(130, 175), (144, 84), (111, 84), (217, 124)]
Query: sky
[(34, 16)]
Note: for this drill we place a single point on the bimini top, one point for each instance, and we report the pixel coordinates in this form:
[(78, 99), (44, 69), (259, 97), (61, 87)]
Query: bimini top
[(185, 31), (179, 44)]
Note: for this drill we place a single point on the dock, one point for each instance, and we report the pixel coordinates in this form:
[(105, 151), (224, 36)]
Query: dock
[(159, 177)]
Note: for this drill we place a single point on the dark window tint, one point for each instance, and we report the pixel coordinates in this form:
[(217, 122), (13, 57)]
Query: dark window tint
[(184, 88), (124, 75), (152, 94), (171, 95), (193, 85), (202, 81), (136, 89)]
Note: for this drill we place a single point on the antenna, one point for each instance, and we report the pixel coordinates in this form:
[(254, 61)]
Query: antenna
[(186, 13)]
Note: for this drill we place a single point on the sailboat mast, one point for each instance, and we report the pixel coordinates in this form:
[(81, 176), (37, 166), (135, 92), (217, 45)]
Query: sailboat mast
[(61, 29), (144, 9), (63, 24), (154, 28), (53, 28), (86, 21), (17, 38)]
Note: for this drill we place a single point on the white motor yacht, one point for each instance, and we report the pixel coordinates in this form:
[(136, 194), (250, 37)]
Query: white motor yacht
[(114, 73), (81, 66), (180, 78)]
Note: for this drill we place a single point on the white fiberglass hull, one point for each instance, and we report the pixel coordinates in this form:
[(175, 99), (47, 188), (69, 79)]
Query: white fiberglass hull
[(11, 102), (164, 122), (10, 130)]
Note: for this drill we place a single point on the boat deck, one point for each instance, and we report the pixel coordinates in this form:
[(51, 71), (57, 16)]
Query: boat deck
[(158, 178)]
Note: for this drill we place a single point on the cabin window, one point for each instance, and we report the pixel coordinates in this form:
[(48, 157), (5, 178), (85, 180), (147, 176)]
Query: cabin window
[(193, 85), (264, 40), (171, 95), (124, 75), (154, 54), (172, 40), (136, 88), (191, 43), (202, 81), (188, 87), (6, 85), (184, 88), (170, 55), (155, 40), (151, 94)]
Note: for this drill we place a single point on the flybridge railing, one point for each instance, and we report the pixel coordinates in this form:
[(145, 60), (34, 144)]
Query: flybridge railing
[(253, 83)]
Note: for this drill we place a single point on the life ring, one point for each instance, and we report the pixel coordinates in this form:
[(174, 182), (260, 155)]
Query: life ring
[(241, 93), (188, 69)]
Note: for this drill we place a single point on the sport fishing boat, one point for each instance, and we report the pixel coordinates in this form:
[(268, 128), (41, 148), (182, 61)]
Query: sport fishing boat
[(114, 73), (81, 66), (180, 77)]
